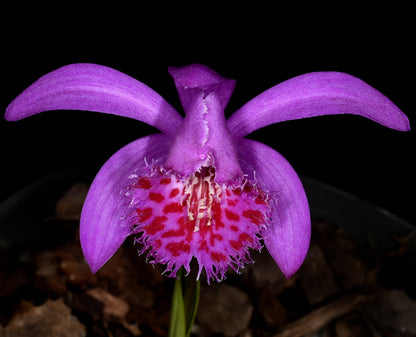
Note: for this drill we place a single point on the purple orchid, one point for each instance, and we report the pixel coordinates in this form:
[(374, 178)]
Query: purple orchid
[(199, 189)]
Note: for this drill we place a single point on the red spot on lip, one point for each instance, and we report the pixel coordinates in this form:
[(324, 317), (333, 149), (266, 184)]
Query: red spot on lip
[(173, 233), (216, 210), (203, 246), (156, 226), (143, 183), (231, 216), (214, 237), (234, 228), (156, 197), (177, 247), (244, 237), (260, 201), (247, 188), (165, 181), (254, 215), (217, 257), (231, 202), (174, 193), (144, 214), (185, 230), (236, 244), (237, 192), (174, 207)]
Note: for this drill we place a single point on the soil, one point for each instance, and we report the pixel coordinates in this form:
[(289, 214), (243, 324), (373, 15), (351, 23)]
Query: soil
[(343, 289)]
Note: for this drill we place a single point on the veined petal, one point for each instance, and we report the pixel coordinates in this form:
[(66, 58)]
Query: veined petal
[(316, 94), (288, 236), (93, 87), (101, 229)]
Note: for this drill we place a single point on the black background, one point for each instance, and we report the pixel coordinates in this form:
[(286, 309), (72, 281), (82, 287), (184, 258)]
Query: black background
[(259, 47)]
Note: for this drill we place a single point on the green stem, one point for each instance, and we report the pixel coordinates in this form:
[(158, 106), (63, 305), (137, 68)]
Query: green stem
[(184, 305)]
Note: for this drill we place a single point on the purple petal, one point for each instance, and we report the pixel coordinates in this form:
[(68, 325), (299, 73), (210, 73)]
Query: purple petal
[(101, 229), (287, 239), (98, 88), (316, 94)]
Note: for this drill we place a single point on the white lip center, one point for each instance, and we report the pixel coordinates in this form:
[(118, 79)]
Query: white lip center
[(200, 192)]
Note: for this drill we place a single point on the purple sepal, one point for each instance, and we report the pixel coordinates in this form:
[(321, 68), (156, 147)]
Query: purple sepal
[(93, 87), (316, 94)]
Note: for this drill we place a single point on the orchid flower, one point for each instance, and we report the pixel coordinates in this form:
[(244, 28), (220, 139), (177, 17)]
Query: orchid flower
[(199, 189)]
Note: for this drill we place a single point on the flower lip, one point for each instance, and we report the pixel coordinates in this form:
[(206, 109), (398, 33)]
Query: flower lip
[(178, 219)]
